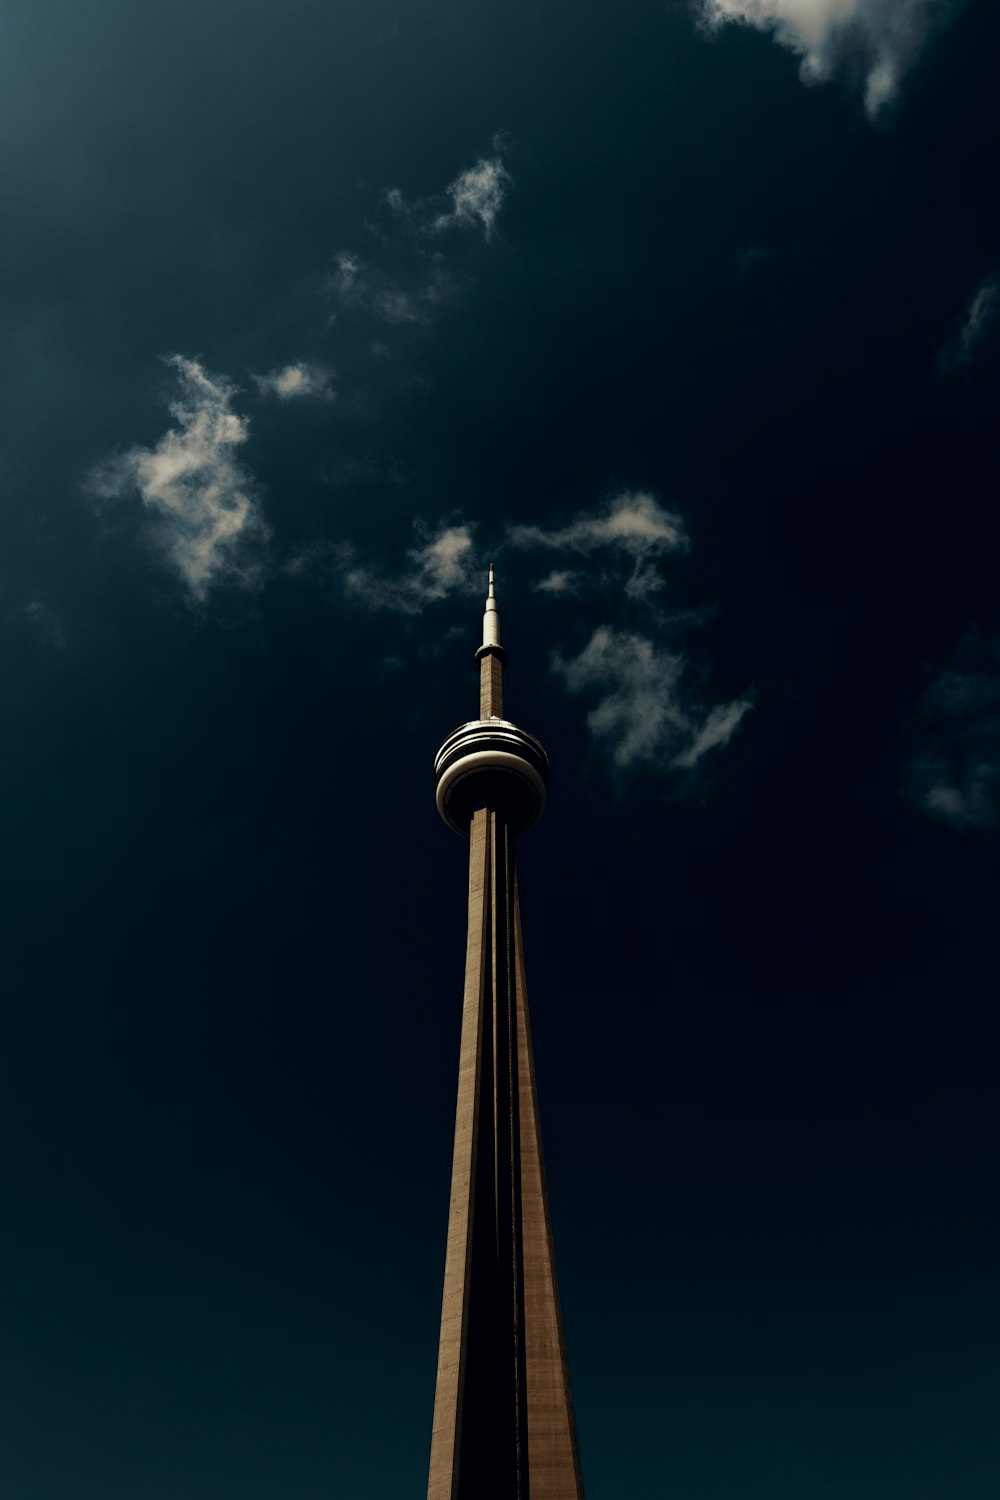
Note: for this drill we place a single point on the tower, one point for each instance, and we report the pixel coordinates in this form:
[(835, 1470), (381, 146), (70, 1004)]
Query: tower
[(503, 1416)]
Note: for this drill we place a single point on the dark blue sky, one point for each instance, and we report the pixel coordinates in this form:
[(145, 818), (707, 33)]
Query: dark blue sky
[(310, 311)]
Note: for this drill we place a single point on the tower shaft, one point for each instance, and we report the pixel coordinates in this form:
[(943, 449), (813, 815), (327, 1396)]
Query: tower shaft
[(490, 686), (503, 1418)]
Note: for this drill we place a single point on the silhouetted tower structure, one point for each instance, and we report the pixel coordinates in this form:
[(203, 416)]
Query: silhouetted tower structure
[(503, 1416)]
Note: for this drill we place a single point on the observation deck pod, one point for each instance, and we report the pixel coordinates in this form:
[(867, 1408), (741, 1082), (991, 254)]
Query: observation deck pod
[(491, 763)]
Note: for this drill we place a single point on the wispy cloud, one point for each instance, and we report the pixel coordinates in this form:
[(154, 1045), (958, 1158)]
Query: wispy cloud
[(881, 38), (416, 286), (645, 712), (560, 581), (477, 195), (356, 284), (633, 526), (298, 381), (981, 317), (642, 715), (439, 566), (954, 773), (204, 515)]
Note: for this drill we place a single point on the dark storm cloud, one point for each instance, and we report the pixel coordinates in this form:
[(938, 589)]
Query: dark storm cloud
[(954, 773), (877, 41)]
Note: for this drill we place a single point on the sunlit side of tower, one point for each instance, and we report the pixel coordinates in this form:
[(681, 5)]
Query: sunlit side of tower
[(503, 1415)]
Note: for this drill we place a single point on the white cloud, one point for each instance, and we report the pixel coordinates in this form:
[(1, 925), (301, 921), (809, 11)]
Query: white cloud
[(883, 37), (641, 715), (438, 567), (633, 525), (200, 498), (559, 581), (981, 316), (297, 381), (955, 772), (717, 729), (477, 195)]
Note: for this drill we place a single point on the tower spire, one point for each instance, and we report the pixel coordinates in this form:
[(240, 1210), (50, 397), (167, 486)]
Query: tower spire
[(491, 617), (492, 659), (503, 1415)]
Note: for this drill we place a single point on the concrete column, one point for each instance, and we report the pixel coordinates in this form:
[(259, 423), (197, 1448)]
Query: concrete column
[(490, 686), (453, 1349), (503, 1417), (553, 1456)]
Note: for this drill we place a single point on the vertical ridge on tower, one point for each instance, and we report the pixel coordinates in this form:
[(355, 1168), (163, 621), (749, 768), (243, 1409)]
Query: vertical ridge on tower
[(503, 1415)]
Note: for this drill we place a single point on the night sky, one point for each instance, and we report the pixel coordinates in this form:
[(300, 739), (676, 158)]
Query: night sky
[(685, 313)]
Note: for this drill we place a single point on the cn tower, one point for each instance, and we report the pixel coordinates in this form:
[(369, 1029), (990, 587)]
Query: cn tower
[(503, 1414)]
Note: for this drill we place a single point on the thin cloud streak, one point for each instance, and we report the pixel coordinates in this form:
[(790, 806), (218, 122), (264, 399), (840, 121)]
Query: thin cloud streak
[(633, 525), (981, 317), (205, 517)]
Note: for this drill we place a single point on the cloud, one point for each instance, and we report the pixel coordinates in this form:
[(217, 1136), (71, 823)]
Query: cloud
[(954, 773), (641, 715), (347, 273), (980, 318), (477, 195), (204, 514), (411, 295), (356, 284), (643, 712), (559, 581), (438, 567), (881, 38), (633, 525), (297, 381)]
